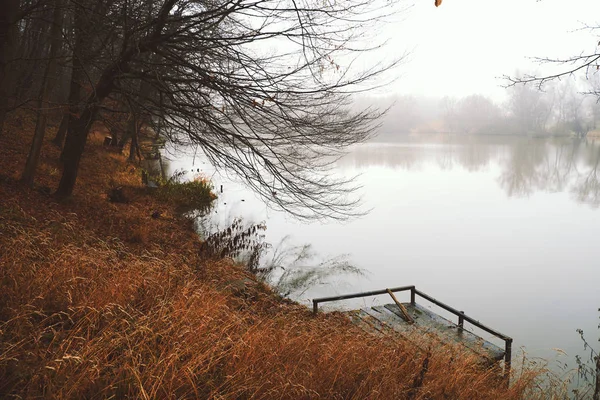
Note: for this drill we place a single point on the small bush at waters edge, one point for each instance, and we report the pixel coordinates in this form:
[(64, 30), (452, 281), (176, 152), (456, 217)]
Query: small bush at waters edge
[(237, 241), (196, 194)]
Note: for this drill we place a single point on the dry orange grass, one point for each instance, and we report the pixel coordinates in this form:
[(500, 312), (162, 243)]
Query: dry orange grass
[(87, 312)]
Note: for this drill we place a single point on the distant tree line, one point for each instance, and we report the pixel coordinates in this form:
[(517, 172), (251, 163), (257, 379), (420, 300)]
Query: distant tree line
[(563, 107)]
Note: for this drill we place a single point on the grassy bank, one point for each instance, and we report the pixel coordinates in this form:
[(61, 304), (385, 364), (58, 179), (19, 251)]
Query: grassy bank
[(102, 299)]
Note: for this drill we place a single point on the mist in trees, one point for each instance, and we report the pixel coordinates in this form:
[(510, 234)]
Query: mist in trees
[(564, 108)]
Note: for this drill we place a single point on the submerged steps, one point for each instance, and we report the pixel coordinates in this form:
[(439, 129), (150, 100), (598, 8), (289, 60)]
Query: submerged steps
[(427, 324)]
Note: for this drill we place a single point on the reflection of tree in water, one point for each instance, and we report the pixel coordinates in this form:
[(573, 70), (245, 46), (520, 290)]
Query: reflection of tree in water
[(553, 166), (471, 153), (391, 156), (527, 165), (533, 165), (471, 156), (520, 174), (559, 166), (587, 186)]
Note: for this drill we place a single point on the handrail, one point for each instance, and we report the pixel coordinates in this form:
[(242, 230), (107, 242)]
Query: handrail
[(355, 295), (461, 314), (413, 292)]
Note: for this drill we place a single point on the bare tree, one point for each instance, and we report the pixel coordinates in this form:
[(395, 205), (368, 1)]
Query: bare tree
[(449, 106), (570, 109), (530, 108), (259, 86), (9, 10), (93, 38), (42, 106), (476, 114), (586, 64)]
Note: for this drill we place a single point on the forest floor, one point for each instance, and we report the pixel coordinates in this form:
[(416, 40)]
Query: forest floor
[(101, 299)]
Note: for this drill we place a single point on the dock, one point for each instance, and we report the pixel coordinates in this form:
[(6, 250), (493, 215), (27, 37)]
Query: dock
[(412, 320)]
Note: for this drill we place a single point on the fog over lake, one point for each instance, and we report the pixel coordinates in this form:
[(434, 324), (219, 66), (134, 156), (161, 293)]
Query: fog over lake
[(503, 228)]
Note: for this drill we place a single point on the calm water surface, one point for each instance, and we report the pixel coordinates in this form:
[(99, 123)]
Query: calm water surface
[(505, 229)]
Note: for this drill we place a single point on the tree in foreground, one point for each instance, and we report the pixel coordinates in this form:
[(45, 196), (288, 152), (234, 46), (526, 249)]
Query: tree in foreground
[(261, 86)]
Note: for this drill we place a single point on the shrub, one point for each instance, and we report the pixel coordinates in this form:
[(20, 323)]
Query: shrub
[(193, 195)]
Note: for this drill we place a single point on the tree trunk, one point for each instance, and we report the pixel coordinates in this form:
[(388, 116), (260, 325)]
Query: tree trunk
[(8, 38), (77, 77), (137, 119), (133, 128), (34, 48), (80, 127), (74, 146), (47, 85), (78, 133), (61, 133)]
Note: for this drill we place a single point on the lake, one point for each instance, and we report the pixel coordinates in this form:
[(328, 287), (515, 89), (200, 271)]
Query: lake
[(503, 228)]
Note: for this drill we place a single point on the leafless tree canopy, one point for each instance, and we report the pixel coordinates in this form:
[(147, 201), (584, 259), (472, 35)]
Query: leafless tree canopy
[(277, 117), (260, 86), (586, 64)]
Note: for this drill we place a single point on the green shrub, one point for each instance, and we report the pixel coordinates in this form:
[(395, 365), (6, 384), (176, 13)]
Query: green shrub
[(193, 195)]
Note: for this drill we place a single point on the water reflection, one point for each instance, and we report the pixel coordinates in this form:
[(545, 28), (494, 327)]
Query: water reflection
[(525, 165)]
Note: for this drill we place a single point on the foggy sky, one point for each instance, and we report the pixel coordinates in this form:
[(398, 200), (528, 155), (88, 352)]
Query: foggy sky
[(464, 46)]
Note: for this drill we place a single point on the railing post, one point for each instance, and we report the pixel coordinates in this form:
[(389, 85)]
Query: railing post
[(315, 307), (412, 296), (461, 321), (507, 358)]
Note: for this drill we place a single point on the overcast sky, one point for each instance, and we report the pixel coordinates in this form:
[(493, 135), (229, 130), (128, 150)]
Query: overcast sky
[(462, 46)]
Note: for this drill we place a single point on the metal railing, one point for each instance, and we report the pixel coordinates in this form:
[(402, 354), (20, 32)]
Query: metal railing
[(462, 317)]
